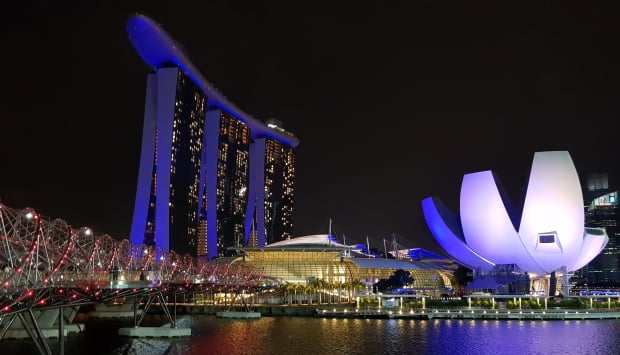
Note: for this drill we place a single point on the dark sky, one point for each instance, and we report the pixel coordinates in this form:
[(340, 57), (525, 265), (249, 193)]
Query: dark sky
[(392, 103)]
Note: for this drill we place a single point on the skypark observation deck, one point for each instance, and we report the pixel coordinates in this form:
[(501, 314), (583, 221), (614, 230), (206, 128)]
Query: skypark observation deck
[(159, 50)]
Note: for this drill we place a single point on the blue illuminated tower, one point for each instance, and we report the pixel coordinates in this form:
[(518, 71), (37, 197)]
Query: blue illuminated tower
[(208, 171)]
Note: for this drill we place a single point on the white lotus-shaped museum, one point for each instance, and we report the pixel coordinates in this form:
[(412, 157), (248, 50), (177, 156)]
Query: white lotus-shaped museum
[(547, 235)]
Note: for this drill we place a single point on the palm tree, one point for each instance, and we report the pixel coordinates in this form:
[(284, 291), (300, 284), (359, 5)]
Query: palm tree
[(350, 286), (309, 289), (300, 288), (339, 285), (319, 284), (324, 288), (288, 288), (357, 284), (331, 285)]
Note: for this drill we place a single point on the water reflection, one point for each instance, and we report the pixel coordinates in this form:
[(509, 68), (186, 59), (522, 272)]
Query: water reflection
[(297, 336)]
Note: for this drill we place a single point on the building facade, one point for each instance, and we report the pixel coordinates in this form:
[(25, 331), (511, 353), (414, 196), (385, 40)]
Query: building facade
[(279, 190), (303, 260), (210, 176), (601, 211), (546, 236)]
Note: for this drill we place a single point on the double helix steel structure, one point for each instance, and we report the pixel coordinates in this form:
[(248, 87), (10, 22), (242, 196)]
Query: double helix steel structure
[(48, 264)]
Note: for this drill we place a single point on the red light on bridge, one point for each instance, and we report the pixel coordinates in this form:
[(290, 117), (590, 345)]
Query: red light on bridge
[(6, 309)]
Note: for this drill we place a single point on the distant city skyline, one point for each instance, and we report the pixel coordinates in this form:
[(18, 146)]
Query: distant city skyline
[(391, 104)]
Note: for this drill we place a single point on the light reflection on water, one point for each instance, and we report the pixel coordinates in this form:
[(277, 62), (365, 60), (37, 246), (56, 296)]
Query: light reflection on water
[(284, 335)]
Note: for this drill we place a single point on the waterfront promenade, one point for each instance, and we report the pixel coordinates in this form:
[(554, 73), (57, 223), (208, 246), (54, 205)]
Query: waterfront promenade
[(556, 314), (350, 311)]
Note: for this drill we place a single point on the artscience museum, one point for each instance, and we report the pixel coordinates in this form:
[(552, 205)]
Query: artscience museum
[(544, 236)]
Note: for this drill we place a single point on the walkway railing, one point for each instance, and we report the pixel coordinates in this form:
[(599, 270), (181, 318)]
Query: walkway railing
[(39, 258)]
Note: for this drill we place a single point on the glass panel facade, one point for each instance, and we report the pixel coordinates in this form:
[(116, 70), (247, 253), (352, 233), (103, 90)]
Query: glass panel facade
[(303, 266), (185, 160), (279, 191), (602, 211), (232, 182), (300, 267), (187, 137), (422, 279)]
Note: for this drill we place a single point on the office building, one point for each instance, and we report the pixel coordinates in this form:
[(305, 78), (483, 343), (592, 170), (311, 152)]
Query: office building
[(601, 210)]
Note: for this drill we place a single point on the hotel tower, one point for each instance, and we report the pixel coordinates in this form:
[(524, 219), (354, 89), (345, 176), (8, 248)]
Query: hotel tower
[(211, 176)]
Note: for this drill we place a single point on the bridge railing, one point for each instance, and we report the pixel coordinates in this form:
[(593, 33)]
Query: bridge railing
[(38, 254)]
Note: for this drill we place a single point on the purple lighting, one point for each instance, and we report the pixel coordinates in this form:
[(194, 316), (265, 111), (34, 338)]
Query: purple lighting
[(551, 234), (447, 230), (158, 50)]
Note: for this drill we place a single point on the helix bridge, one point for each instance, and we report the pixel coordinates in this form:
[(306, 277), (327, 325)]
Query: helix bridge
[(47, 264)]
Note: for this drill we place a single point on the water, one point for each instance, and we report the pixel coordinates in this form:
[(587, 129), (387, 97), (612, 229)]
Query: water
[(298, 335)]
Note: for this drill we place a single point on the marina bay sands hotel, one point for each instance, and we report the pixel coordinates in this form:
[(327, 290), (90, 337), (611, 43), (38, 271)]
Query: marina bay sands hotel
[(211, 176)]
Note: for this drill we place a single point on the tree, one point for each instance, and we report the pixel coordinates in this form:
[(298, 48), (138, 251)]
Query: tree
[(383, 285), (401, 278), (299, 288), (289, 289), (329, 285), (319, 284), (338, 286), (351, 286), (309, 289), (460, 278), (398, 279), (357, 284)]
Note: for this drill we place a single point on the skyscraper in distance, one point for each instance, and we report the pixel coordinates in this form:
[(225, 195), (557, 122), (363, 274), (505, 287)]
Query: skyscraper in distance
[(601, 210), (210, 175)]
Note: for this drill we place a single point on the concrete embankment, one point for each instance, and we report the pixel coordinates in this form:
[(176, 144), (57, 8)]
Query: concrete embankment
[(264, 310), (350, 311)]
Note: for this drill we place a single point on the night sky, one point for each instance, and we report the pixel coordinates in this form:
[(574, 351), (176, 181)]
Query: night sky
[(391, 103)]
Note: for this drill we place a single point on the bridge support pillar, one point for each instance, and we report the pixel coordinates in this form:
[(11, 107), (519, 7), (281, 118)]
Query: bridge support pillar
[(48, 321)]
